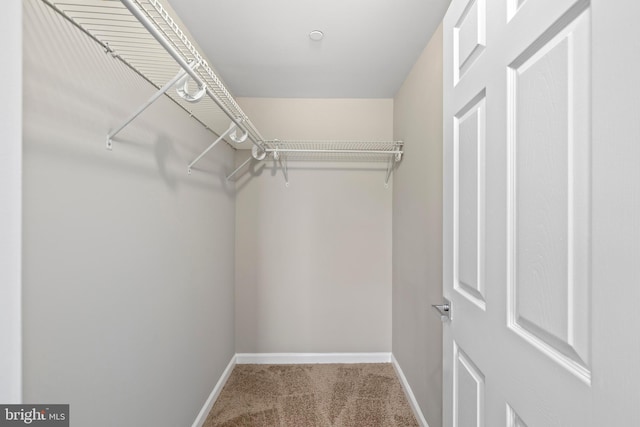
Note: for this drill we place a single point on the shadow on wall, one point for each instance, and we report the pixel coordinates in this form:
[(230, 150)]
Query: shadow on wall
[(162, 149), (123, 162), (252, 169)]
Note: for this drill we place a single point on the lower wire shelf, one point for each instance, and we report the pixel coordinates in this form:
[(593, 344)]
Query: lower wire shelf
[(282, 151)]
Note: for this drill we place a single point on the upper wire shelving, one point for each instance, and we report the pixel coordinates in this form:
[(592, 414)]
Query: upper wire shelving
[(144, 35)]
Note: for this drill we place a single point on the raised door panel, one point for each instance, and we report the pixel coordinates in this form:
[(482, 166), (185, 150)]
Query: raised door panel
[(469, 146), (469, 389), (549, 145), (469, 35), (513, 419), (513, 6)]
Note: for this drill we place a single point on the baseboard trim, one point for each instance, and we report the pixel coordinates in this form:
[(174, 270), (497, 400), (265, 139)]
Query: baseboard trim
[(409, 393), (310, 358), (202, 416)]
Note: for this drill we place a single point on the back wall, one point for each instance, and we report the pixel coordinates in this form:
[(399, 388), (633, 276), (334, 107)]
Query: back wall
[(313, 260)]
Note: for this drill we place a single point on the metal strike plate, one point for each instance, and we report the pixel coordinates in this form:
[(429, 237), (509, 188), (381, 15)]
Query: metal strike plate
[(444, 310)]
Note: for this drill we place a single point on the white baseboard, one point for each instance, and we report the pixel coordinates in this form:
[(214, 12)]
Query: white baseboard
[(202, 416), (409, 393), (310, 358)]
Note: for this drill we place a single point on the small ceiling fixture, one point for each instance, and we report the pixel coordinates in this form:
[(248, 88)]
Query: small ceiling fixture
[(316, 35)]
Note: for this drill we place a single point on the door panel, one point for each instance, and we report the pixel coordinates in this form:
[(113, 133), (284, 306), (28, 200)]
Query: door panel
[(469, 36), (513, 420), (469, 140), (525, 197), (549, 198), (468, 392)]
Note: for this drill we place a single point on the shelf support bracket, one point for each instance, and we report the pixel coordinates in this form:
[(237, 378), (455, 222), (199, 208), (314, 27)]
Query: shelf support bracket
[(283, 164), (397, 156), (390, 165), (238, 168), (231, 128), (144, 106), (285, 170)]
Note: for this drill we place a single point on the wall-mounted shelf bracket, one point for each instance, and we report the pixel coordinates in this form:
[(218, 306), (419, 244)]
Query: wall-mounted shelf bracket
[(390, 165), (285, 170), (181, 74), (232, 174), (180, 81), (283, 164), (232, 128)]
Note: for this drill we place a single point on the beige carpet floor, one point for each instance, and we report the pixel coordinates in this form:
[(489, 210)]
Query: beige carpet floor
[(359, 395)]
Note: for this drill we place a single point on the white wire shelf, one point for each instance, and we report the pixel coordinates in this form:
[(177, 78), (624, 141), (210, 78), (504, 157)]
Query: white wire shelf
[(113, 24), (389, 152), (371, 151)]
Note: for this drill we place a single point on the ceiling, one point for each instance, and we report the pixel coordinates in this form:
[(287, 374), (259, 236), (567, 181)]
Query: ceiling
[(261, 48)]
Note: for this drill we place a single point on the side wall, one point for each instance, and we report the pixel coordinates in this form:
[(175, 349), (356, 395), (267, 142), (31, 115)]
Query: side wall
[(128, 261), (417, 230), (11, 204), (313, 261)]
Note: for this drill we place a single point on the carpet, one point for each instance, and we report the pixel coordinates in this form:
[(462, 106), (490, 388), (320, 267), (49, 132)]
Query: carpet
[(354, 395)]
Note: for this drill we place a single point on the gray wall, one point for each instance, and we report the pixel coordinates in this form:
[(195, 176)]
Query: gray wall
[(11, 202), (128, 261), (313, 261), (417, 230)]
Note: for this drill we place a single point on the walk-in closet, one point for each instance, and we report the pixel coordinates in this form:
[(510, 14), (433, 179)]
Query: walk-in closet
[(173, 230), (343, 213)]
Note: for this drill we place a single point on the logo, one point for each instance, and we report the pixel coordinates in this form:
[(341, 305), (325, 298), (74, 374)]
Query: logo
[(34, 415)]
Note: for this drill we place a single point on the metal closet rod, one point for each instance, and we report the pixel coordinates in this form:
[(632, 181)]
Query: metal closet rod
[(149, 25)]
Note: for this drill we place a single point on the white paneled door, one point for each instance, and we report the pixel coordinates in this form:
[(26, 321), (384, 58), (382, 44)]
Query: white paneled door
[(542, 213)]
